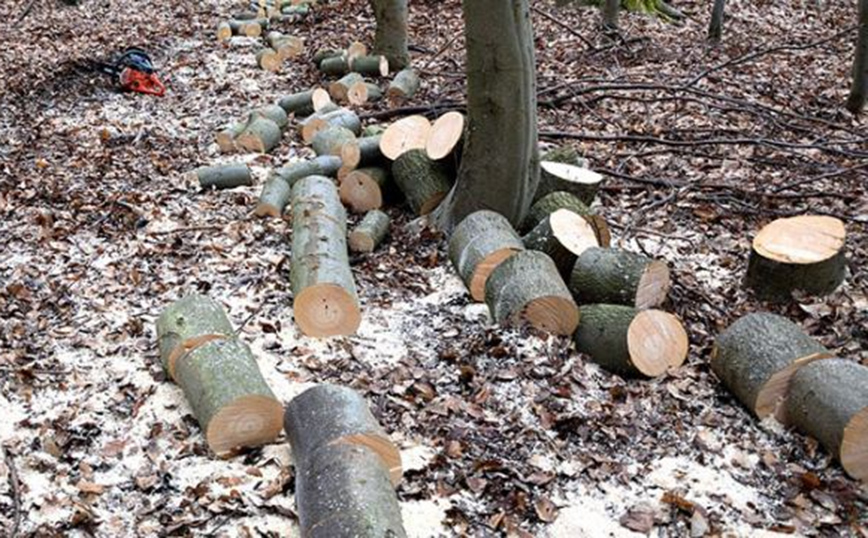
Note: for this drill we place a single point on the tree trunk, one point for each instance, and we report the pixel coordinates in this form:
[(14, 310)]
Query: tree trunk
[(715, 27), (610, 15), (859, 90), (499, 166), (390, 39)]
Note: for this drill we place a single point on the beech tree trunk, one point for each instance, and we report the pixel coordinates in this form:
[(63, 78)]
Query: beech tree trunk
[(500, 161), (715, 28), (610, 15), (390, 39), (859, 90)]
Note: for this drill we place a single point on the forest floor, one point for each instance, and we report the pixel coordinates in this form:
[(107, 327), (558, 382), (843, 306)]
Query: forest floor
[(502, 431)]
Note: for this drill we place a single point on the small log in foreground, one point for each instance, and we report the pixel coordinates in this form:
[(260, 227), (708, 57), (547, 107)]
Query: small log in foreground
[(828, 400), (305, 103), (631, 342), (615, 276), (273, 199), (230, 398), (403, 86), (188, 323), (324, 165), (224, 176), (260, 135), (446, 136), (403, 135), (797, 253), (564, 200), (580, 182), (481, 242), (370, 232), (757, 356), (424, 182), (527, 289), (563, 236), (364, 189), (325, 302), (330, 415)]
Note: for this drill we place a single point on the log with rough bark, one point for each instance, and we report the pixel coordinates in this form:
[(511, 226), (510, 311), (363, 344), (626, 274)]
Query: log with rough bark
[(331, 140), (404, 86), (260, 135), (364, 151), (390, 39), (757, 356), (527, 289), (269, 60), (797, 253), (230, 399), (336, 118), (322, 54), (566, 155), (335, 66), (424, 182), (563, 236), (859, 88), (224, 31), (325, 301), (338, 89), (828, 400), (285, 46), (615, 276), (305, 103), (363, 92), (273, 199), (328, 415), (224, 176), (188, 323), (481, 242), (371, 66), (580, 182), (446, 136), (370, 232), (563, 200), (631, 342), (405, 134), (364, 189), (325, 165), (275, 113), (715, 27)]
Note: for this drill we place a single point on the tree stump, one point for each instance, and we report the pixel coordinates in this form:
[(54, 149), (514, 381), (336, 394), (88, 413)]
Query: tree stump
[(563, 236), (615, 276)]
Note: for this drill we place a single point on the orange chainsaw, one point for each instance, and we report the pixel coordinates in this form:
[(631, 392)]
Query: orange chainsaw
[(134, 72)]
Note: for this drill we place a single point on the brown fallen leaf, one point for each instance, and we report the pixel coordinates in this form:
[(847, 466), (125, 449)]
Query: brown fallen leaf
[(90, 487), (545, 509), (639, 518)]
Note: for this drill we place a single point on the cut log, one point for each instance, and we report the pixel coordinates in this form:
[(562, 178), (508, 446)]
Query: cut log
[(446, 136), (356, 50), (305, 103), (364, 189), (371, 66), (338, 89), (481, 242), (226, 137), (269, 60), (424, 182), (273, 199), (261, 135), (325, 302), (323, 54), (331, 415), (566, 155), (405, 134), (563, 236), (580, 182), (527, 289), (344, 491), (331, 140), (286, 46), (364, 152), (370, 232), (335, 66), (615, 276), (564, 200), (797, 253), (363, 92), (337, 118), (224, 176), (828, 400), (373, 129), (249, 28), (229, 397), (631, 342), (275, 113), (756, 358), (188, 323), (224, 31), (325, 165), (404, 86)]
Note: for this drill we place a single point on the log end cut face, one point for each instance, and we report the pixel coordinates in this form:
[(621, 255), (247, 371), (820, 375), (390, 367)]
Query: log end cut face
[(405, 134), (854, 446), (251, 420), (573, 231), (326, 310), (571, 173), (657, 342), (360, 192), (653, 286), (485, 268), (771, 396), (446, 133), (805, 239), (552, 314)]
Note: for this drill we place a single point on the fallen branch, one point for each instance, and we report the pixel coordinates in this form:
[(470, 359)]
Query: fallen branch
[(563, 25), (15, 484)]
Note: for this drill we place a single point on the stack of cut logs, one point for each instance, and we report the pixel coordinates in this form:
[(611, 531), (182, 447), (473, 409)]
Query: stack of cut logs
[(258, 20)]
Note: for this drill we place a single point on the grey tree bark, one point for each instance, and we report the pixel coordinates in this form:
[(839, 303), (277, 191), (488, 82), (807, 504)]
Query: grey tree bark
[(500, 165), (390, 39), (859, 90), (610, 15), (715, 27)]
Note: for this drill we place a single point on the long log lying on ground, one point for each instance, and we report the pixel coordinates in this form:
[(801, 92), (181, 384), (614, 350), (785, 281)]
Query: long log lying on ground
[(563, 236), (364, 189), (757, 356), (615, 276), (224, 176), (230, 398), (446, 136), (404, 86), (405, 134), (260, 135), (481, 242), (631, 342), (828, 400), (580, 182), (325, 301), (797, 253), (325, 165), (305, 103), (273, 199), (337, 118), (331, 140), (188, 323), (564, 200), (527, 289), (370, 232), (330, 415), (424, 182), (363, 153)]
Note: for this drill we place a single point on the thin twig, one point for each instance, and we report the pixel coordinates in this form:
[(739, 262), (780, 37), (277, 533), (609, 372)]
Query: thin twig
[(407, 110), (812, 179), (26, 11), (16, 492), (564, 26), (207, 227)]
